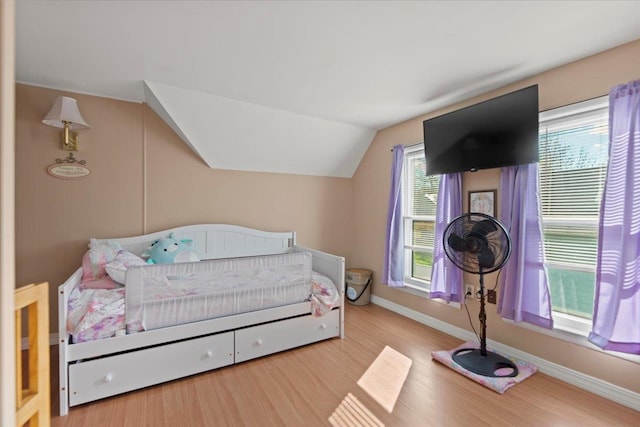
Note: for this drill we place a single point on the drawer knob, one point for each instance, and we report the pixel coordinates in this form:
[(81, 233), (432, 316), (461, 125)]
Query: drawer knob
[(323, 326), (259, 342), (208, 354), (108, 378)]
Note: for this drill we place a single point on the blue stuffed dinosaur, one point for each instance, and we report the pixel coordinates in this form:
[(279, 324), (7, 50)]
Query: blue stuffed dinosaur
[(169, 250)]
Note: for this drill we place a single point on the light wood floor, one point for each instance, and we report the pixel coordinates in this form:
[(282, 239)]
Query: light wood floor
[(303, 387)]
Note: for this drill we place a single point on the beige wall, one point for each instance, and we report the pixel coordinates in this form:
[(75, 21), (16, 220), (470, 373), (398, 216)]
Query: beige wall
[(585, 79), (143, 179)]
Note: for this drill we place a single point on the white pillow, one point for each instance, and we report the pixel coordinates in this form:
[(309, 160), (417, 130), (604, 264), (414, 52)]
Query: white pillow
[(117, 269)]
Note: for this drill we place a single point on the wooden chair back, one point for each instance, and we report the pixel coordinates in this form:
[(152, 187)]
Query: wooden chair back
[(33, 399)]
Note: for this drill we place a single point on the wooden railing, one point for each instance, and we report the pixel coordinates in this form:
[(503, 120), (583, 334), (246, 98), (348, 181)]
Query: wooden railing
[(33, 402)]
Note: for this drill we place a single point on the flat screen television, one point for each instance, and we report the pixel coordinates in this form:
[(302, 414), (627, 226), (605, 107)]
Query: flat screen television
[(502, 131)]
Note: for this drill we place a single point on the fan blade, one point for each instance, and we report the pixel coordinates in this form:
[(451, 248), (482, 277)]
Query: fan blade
[(456, 242), (484, 227), (486, 258)]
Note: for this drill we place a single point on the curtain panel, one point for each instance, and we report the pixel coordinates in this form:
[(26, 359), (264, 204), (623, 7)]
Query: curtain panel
[(524, 285), (446, 278), (393, 266), (616, 315)]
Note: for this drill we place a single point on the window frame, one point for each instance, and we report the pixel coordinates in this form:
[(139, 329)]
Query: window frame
[(411, 282), (563, 321)]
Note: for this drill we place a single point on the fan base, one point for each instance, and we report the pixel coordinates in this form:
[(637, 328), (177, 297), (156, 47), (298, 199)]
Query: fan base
[(489, 365)]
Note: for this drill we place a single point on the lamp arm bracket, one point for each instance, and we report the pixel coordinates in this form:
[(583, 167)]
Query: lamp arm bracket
[(71, 159)]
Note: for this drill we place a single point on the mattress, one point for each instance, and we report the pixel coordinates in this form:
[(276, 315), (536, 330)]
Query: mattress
[(166, 295)]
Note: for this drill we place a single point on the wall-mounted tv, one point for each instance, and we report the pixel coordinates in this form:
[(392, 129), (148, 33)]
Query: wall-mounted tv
[(502, 131)]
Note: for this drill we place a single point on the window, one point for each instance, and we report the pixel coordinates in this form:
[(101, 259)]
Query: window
[(420, 194), (574, 144)]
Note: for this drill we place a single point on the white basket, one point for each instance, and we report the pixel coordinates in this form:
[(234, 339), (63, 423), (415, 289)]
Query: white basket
[(358, 286)]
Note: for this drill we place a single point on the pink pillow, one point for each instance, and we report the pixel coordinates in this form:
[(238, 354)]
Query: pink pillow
[(105, 282), (100, 253), (87, 270)]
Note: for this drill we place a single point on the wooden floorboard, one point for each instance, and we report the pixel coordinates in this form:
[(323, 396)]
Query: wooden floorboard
[(304, 386)]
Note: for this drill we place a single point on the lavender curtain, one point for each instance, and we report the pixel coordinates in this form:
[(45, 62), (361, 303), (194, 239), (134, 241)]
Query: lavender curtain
[(446, 278), (393, 268), (616, 316), (524, 286)]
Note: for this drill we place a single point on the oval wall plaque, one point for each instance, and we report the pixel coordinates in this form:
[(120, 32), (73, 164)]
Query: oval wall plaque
[(68, 171)]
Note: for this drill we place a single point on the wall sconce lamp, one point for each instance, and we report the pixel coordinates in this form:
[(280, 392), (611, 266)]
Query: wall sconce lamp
[(65, 115)]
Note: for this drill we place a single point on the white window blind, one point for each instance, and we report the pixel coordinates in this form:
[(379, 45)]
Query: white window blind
[(573, 162), (419, 197)]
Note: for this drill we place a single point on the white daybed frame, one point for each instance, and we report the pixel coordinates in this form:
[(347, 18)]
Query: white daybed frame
[(102, 368)]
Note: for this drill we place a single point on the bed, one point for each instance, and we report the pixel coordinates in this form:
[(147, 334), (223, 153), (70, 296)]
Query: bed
[(180, 335)]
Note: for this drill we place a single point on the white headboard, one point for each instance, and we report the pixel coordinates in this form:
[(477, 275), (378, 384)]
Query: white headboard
[(213, 241)]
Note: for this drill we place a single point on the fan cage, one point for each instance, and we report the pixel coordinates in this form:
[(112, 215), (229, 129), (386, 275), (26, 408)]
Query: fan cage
[(498, 241)]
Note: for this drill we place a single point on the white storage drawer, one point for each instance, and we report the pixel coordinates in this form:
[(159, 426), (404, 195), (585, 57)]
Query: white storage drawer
[(100, 378), (269, 338)]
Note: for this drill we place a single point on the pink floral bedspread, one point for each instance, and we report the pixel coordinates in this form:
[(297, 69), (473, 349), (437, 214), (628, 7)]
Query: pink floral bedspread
[(324, 295), (95, 313)]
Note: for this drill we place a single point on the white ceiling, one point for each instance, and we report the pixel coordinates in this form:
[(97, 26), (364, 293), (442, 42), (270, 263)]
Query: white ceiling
[(302, 86)]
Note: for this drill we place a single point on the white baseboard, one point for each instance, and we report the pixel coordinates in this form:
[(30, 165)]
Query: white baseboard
[(594, 385)]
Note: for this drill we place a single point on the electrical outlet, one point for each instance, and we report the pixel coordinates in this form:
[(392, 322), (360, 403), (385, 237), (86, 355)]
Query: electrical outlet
[(469, 291), (491, 296)]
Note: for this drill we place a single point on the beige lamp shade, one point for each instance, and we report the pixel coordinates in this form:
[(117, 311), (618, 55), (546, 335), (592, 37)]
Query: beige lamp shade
[(65, 109)]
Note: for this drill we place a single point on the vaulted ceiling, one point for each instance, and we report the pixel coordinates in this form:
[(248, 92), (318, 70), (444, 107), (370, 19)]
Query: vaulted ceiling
[(302, 86)]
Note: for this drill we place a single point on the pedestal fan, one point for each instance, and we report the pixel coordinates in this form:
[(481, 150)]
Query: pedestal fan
[(479, 244)]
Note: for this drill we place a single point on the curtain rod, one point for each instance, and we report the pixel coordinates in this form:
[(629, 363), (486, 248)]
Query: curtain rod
[(412, 145)]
